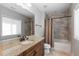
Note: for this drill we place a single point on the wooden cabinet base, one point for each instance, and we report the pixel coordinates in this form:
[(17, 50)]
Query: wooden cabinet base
[(36, 50)]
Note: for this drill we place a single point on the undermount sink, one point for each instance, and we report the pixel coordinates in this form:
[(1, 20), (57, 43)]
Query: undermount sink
[(26, 42)]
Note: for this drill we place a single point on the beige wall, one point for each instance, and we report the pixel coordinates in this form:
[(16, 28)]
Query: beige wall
[(66, 20), (61, 28)]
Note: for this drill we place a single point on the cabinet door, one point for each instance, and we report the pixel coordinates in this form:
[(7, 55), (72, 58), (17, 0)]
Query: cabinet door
[(38, 53), (31, 53), (39, 49), (36, 50)]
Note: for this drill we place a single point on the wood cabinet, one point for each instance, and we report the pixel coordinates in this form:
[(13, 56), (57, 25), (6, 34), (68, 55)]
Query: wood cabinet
[(36, 50)]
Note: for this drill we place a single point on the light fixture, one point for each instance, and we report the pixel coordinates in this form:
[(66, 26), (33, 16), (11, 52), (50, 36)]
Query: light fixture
[(24, 5), (29, 4)]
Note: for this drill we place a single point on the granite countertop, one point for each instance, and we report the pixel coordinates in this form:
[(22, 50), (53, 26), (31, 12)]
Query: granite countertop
[(13, 47)]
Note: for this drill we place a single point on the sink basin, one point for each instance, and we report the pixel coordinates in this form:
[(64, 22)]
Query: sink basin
[(26, 42)]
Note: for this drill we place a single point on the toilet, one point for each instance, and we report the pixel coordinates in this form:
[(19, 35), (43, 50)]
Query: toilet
[(47, 48)]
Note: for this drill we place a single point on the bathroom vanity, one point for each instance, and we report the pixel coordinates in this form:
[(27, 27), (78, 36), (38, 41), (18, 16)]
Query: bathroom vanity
[(13, 47), (36, 50)]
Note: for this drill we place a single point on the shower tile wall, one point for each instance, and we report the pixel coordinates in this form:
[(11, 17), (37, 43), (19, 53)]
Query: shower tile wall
[(60, 28)]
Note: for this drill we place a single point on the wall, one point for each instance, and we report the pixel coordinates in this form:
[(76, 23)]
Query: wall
[(39, 24), (61, 28), (14, 15), (39, 18), (74, 41)]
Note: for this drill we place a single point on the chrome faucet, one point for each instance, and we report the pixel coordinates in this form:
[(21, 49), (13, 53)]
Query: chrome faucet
[(26, 38), (23, 38)]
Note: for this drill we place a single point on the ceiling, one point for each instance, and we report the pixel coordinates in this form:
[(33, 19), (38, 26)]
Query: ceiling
[(49, 8), (19, 9)]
